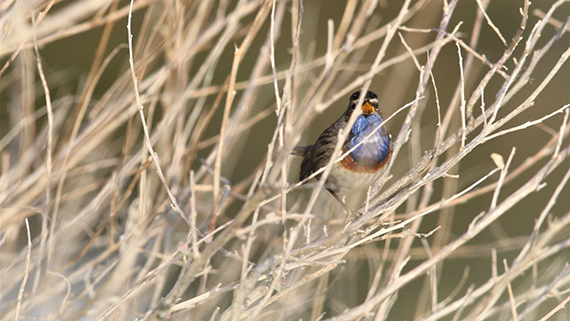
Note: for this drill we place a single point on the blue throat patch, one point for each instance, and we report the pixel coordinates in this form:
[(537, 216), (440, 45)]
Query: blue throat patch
[(374, 150)]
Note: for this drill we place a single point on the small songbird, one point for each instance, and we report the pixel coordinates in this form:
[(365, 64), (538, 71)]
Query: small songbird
[(361, 167)]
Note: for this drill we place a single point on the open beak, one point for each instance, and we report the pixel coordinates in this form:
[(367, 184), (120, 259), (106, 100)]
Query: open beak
[(368, 109)]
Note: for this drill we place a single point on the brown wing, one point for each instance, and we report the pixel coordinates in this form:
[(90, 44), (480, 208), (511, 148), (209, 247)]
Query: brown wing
[(320, 153)]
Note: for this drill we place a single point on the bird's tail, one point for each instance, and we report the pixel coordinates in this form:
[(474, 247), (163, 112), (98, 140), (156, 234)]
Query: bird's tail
[(301, 150)]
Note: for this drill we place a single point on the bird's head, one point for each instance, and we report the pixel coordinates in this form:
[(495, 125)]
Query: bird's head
[(369, 104)]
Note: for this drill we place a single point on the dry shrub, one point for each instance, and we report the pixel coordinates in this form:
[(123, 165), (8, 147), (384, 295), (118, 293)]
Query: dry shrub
[(137, 187)]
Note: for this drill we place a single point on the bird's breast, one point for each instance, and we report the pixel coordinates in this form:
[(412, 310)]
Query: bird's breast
[(344, 181), (369, 145)]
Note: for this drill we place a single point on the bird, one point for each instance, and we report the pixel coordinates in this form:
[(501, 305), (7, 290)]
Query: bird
[(364, 164)]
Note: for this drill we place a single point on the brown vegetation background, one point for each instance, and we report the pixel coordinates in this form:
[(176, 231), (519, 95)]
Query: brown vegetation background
[(153, 179)]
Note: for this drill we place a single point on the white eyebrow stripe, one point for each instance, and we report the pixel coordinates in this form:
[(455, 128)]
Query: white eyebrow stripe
[(372, 100)]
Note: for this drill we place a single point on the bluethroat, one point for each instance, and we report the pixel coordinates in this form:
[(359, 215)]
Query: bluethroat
[(364, 164)]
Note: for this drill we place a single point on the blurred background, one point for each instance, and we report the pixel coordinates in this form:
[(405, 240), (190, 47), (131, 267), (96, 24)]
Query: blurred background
[(184, 51)]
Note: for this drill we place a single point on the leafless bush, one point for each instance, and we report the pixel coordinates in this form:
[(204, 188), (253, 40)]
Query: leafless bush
[(139, 198)]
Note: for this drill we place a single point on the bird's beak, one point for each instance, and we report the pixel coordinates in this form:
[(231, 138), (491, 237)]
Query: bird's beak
[(368, 109)]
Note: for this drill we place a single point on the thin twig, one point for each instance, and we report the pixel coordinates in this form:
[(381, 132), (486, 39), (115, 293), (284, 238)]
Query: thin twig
[(26, 272)]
